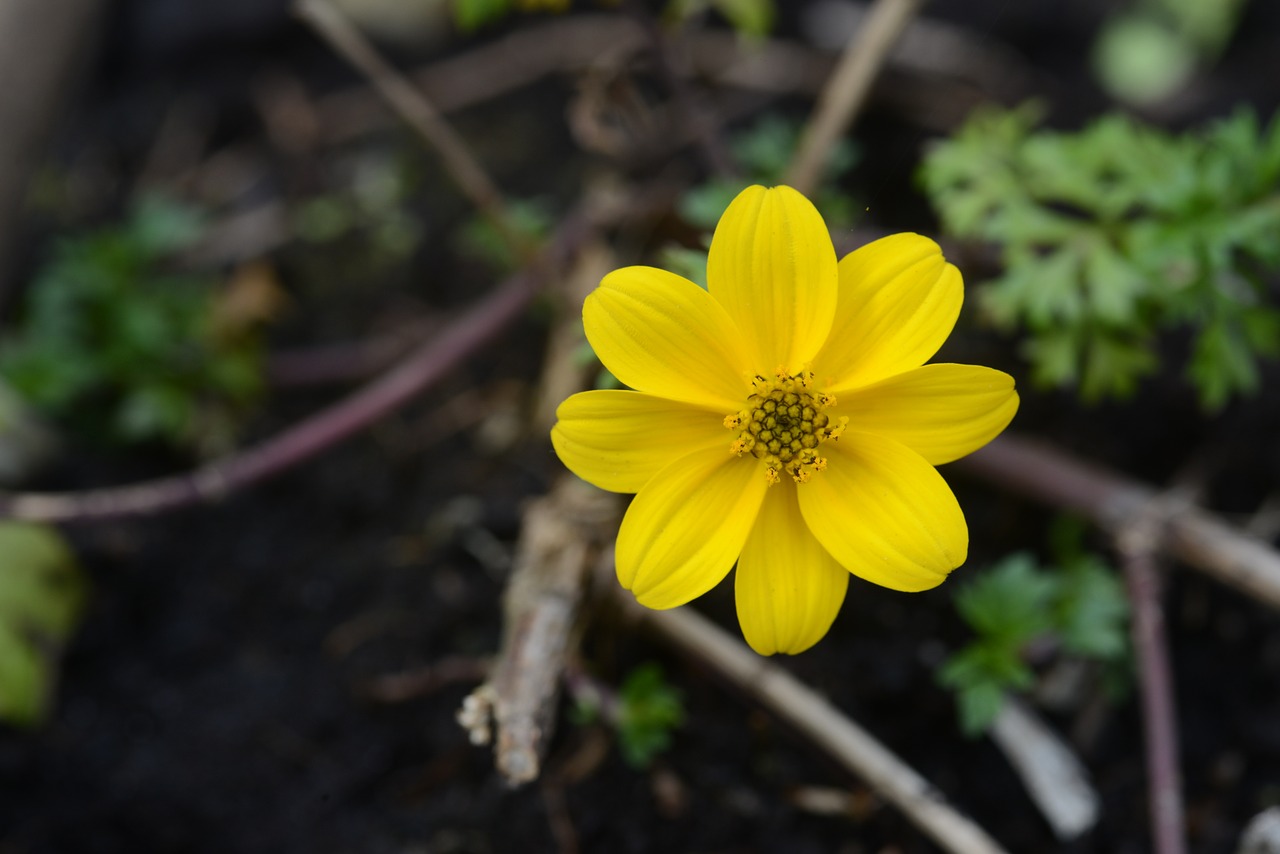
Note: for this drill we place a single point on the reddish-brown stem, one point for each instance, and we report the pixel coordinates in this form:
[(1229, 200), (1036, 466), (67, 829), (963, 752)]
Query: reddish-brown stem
[(1113, 502), (1160, 727), (421, 368)]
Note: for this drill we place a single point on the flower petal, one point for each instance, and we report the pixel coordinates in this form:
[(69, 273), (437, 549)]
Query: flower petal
[(942, 412), (662, 334), (885, 514), (618, 440), (899, 300), (773, 268), (788, 588), (685, 529)]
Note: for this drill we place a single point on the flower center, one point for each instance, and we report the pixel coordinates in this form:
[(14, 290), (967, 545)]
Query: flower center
[(783, 424)]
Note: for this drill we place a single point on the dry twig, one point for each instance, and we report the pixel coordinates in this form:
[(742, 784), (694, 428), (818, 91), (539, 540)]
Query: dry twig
[(417, 111), (420, 369), (1054, 776), (847, 88), (562, 540), (1137, 544), (823, 724), (1113, 502)]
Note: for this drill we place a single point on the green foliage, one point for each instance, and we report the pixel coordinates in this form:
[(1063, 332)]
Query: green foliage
[(42, 596), (1148, 51), (762, 153), (1117, 233), (471, 15), (372, 205), (648, 709), (108, 330), (751, 18), (1081, 606), (532, 221)]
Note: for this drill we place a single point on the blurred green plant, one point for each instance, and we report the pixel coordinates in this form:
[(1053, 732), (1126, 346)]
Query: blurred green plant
[(647, 710), (42, 596), (762, 153), (751, 18), (471, 15), (1078, 606), (114, 343), (532, 219), (1151, 49), (1117, 233), (372, 204)]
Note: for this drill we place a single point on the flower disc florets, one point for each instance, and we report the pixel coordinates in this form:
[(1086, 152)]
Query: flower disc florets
[(783, 424)]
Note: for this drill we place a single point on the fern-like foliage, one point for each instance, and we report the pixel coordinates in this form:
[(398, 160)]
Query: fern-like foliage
[(1116, 234)]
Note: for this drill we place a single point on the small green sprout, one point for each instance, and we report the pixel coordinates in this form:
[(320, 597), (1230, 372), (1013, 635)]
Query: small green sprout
[(1080, 606), (644, 713)]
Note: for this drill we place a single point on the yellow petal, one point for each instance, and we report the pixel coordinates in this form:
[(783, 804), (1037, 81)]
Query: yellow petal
[(885, 514), (685, 529), (662, 334), (618, 440), (773, 268), (788, 588), (899, 300), (941, 412)]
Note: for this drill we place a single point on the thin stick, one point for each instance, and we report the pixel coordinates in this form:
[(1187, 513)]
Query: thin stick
[(419, 370), (1160, 727), (417, 112), (561, 539), (1113, 502), (846, 91), (824, 724)]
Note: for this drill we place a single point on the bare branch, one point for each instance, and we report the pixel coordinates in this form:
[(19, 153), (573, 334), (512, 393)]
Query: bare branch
[(561, 542), (824, 724), (1137, 543), (419, 370), (846, 90), (412, 106), (1112, 501)]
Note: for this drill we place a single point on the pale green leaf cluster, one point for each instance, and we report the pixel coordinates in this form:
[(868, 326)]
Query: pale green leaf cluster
[(1079, 607), (115, 343), (42, 594), (1118, 235)]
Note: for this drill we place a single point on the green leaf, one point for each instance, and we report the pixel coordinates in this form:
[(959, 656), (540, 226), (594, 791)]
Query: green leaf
[(1008, 602), (471, 15), (650, 709), (749, 17), (480, 238), (1221, 365), (690, 263), (1092, 610), (979, 706), (42, 596)]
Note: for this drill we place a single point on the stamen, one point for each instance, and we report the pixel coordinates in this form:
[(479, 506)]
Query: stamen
[(784, 424)]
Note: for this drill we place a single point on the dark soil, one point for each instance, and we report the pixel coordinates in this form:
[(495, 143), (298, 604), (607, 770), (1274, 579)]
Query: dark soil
[(216, 699)]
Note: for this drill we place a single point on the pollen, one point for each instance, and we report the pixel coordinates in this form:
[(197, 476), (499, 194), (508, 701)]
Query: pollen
[(783, 424)]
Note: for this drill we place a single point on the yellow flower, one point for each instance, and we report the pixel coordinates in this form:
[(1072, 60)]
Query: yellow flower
[(782, 419)]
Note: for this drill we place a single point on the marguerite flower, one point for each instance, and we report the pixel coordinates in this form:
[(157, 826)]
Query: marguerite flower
[(782, 419)]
